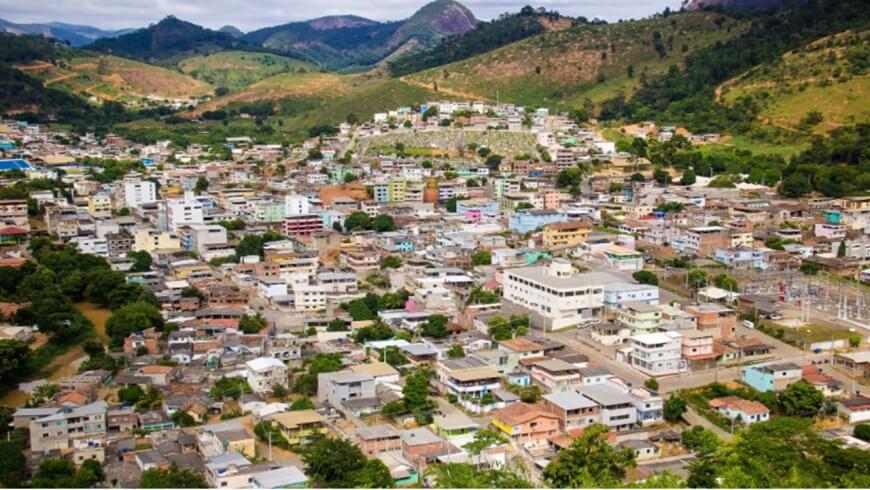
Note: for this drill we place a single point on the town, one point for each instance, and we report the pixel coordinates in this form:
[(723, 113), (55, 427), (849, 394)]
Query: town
[(455, 294)]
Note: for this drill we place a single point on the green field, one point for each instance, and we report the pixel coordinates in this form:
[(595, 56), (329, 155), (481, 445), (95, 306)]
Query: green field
[(238, 69)]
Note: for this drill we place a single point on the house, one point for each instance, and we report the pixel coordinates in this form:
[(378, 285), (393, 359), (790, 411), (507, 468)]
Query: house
[(643, 449), (721, 321), (420, 446), (223, 437), (855, 410), (347, 391), (284, 477), (456, 427), (825, 383), (264, 373), (401, 470), (574, 410), (737, 409), (556, 375), (468, 377), (380, 371), (639, 316), (698, 349), (517, 350), (617, 409), (772, 376), (296, 426), (567, 234), (526, 424), (374, 439)]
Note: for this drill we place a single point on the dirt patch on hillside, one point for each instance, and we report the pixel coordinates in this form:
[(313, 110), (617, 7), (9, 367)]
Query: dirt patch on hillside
[(281, 86)]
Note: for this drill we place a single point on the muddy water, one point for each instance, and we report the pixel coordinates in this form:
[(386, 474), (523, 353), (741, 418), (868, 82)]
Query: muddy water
[(67, 363)]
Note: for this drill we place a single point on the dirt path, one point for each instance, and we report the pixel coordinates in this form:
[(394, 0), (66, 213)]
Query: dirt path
[(58, 79), (447, 91)]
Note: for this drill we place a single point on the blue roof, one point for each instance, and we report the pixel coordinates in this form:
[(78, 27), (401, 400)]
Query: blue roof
[(7, 145), (17, 164)]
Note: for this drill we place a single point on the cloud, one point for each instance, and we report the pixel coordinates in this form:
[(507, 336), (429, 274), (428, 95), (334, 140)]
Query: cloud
[(250, 15)]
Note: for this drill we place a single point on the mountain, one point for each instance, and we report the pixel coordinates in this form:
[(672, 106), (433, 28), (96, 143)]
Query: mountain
[(486, 36), (562, 67), (232, 31), (169, 39), (75, 35), (234, 70), (744, 4), (344, 42)]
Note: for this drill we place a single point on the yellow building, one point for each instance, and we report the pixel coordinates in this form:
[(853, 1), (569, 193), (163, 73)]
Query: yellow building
[(396, 190), (568, 234), (100, 204), (153, 240), (298, 425)]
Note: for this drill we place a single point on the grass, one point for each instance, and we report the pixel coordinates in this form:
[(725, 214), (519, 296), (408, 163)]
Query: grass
[(114, 78), (238, 69), (785, 150), (818, 77), (698, 401), (563, 68)]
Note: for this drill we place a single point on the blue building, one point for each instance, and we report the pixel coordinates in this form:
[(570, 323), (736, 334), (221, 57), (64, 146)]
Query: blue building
[(527, 221), (381, 193), (14, 164), (394, 241), (772, 376)]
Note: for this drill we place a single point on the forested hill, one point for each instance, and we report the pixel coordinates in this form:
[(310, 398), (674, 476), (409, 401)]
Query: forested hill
[(686, 95), (487, 36), (171, 37)]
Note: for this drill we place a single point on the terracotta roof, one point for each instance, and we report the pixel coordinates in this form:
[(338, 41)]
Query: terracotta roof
[(735, 402), (521, 345), (521, 412)]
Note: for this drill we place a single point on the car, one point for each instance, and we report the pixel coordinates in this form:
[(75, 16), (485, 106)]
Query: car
[(748, 324)]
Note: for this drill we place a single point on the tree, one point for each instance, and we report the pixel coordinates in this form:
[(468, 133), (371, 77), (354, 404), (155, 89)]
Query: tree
[(651, 384), (378, 331), (252, 324), (800, 399), (570, 177), (795, 185), (862, 431), (724, 281), (14, 465), (455, 352), (131, 318), (229, 388), (697, 278), (383, 222), (54, 473), (183, 419), (646, 277), (141, 261), (481, 257), (661, 176), (674, 408), (688, 177), (174, 477), (416, 393), (201, 185), (391, 262), (333, 463), (841, 249), (637, 177), (435, 326), (302, 403), (484, 439), (590, 461), (700, 440), (14, 356), (130, 395), (357, 220), (321, 363), (374, 474)]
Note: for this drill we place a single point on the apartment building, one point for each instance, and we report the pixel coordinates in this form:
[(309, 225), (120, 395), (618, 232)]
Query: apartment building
[(553, 295), (58, 430), (703, 241), (13, 212), (347, 391), (719, 320), (656, 354), (138, 192), (574, 410), (556, 375), (567, 234), (639, 316), (616, 408)]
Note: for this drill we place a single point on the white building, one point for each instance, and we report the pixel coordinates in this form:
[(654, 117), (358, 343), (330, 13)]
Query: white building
[(265, 372), (295, 204), (657, 354), (553, 295), (183, 212), (139, 192)]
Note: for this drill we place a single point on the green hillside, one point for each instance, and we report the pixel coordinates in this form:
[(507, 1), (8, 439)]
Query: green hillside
[(237, 69), (820, 87), (114, 78), (563, 68)]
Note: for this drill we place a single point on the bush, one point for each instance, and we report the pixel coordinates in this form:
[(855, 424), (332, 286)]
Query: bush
[(862, 431), (651, 384), (646, 277)]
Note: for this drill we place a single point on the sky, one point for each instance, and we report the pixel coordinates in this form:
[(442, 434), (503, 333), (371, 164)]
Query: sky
[(250, 15)]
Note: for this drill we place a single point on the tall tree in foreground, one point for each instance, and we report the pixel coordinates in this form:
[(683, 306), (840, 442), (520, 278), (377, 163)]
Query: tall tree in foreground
[(590, 461)]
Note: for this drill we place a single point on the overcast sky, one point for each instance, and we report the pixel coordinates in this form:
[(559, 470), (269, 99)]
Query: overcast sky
[(254, 14)]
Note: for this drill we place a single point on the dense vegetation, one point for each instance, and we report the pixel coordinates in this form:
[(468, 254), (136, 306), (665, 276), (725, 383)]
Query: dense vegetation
[(485, 37), (687, 95)]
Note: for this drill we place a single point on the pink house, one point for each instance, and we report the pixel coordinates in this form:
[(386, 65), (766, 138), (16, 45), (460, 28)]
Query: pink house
[(473, 215)]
